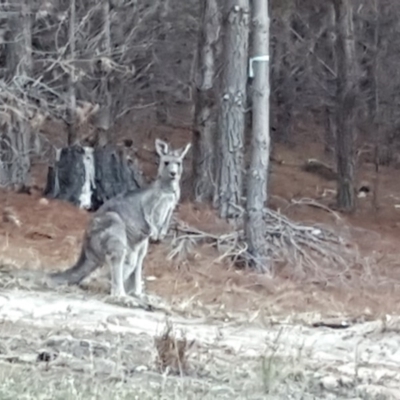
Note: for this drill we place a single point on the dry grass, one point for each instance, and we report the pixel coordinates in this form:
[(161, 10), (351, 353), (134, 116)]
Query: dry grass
[(99, 366), (103, 365), (29, 384), (172, 352)]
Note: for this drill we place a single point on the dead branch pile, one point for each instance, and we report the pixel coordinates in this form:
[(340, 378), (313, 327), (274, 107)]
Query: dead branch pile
[(314, 253)]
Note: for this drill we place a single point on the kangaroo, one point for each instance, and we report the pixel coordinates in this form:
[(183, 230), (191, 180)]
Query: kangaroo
[(119, 232)]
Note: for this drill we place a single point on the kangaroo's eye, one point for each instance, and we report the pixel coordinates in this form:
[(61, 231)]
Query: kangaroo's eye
[(166, 163), (179, 164)]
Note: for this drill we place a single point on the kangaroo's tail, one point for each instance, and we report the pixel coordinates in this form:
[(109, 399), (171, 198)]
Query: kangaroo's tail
[(74, 275)]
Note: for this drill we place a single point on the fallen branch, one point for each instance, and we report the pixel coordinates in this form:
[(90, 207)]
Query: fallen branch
[(314, 252), (315, 204)]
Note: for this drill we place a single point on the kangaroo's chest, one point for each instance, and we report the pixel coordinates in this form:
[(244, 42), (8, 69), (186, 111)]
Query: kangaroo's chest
[(164, 205)]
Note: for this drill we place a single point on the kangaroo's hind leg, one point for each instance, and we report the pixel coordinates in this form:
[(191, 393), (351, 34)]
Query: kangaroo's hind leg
[(133, 282), (115, 260), (130, 266), (115, 247)]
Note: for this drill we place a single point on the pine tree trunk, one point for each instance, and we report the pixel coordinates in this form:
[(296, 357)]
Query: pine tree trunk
[(330, 129), (346, 105), (161, 38), (231, 123), (71, 110), (204, 137), (330, 114), (104, 118), (286, 87), (15, 160), (260, 144)]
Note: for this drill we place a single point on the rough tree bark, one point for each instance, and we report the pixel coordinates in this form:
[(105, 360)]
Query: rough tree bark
[(346, 104), (71, 110), (330, 128), (231, 123), (16, 136), (104, 119), (260, 144), (284, 65), (204, 130), (374, 108), (330, 116), (161, 37)]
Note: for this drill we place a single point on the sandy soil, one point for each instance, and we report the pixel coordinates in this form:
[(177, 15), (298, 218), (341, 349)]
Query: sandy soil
[(278, 357)]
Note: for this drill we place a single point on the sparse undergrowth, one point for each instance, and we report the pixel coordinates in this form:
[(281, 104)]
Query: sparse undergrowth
[(27, 384), (75, 347), (74, 373), (312, 252)]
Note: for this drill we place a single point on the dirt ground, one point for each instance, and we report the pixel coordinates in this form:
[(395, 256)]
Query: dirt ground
[(254, 336)]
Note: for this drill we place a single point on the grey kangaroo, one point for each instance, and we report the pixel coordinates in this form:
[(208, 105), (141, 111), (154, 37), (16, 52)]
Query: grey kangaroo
[(119, 233)]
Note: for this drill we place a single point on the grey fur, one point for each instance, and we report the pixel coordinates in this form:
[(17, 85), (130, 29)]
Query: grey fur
[(119, 233)]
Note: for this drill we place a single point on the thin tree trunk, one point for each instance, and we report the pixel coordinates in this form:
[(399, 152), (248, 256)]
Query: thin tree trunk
[(71, 111), (260, 145), (286, 88), (346, 105), (104, 117), (161, 37), (373, 103), (330, 128), (375, 106), (330, 115), (204, 131), (16, 141), (232, 108)]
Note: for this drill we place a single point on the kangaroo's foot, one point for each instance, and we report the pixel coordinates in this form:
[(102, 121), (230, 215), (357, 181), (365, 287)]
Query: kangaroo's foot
[(125, 300), (51, 282), (154, 303)]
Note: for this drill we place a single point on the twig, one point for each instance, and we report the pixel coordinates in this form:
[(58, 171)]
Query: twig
[(313, 252), (313, 203)]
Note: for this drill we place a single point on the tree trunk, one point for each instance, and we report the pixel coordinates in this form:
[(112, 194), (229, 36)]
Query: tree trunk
[(330, 129), (374, 72), (15, 160), (346, 105), (260, 144), (330, 111), (286, 87), (71, 110), (204, 131), (87, 176), (104, 119), (231, 123), (374, 108), (161, 37)]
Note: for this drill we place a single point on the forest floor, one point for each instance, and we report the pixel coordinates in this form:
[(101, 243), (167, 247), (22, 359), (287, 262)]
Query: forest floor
[(251, 336)]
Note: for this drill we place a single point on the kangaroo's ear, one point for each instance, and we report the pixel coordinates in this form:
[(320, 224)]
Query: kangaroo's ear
[(184, 150), (162, 147)]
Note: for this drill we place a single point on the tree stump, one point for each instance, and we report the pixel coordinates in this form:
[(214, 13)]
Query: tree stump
[(89, 176)]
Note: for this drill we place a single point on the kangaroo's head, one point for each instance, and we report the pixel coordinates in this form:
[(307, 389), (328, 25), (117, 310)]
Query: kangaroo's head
[(170, 167)]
